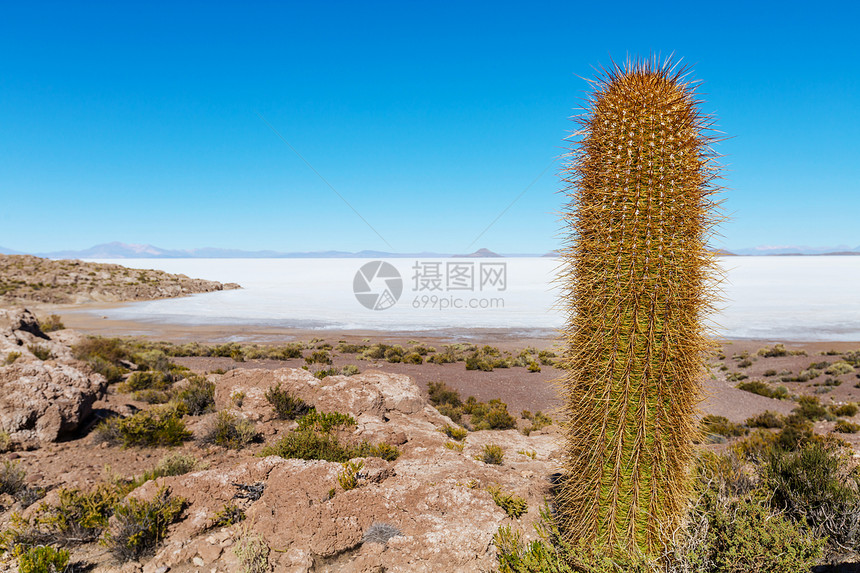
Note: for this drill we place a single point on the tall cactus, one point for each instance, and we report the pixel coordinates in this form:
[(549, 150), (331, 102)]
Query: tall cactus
[(638, 283)]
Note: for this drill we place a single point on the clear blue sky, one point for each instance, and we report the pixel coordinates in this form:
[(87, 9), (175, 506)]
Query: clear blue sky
[(138, 122)]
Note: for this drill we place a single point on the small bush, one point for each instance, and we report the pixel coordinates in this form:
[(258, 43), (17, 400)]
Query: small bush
[(810, 407), (796, 432), (773, 352), (349, 370), (770, 372), (810, 485), (382, 450), (492, 415), (454, 432), (41, 559), (319, 357), (763, 389), (412, 358), (198, 396), (538, 421), (492, 454), (766, 419), (177, 464), (441, 393), (51, 323), (80, 516), (5, 441), (148, 380), (380, 533), (846, 427), (736, 376), (286, 406), (722, 426), (252, 552), (228, 515), (513, 505), (325, 421), (12, 478), (141, 525), (158, 426), (11, 358), (457, 447), (348, 478), (309, 445), (846, 410), (230, 431), (40, 352), (839, 368), (804, 376)]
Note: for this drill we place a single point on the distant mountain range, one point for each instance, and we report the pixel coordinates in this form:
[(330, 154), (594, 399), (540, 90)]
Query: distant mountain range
[(117, 250)]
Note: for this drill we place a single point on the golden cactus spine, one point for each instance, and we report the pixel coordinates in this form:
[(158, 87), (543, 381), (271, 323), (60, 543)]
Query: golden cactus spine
[(638, 283)]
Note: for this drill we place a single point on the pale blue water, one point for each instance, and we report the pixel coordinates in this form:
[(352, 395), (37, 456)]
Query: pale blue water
[(780, 298)]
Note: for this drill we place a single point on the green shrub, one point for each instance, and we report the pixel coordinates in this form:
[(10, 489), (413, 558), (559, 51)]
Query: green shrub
[(141, 525), (492, 454), (797, 430), (12, 478), (811, 485), (349, 370), (11, 358), (152, 396), (772, 352), (252, 552), (230, 431), (348, 478), (382, 450), (325, 421), (839, 368), (228, 515), (198, 396), (810, 407), (846, 410), (846, 427), (763, 389), (492, 415), (454, 432), (319, 357), (309, 445), (745, 536), (5, 441), (722, 426), (148, 380), (79, 516), (347, 348), (766, 419), (538, 421), (41, 559), (177, 464), (804, 376), (286, 406), (157, 426), (441, 393), (412, 358), (40, 352), (513, 505)]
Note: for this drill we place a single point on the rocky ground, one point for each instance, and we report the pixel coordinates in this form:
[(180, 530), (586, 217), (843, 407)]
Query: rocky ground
[(432, 508), (26, 279)]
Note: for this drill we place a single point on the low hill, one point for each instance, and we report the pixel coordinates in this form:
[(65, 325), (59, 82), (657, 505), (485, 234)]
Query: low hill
[(25, 278)]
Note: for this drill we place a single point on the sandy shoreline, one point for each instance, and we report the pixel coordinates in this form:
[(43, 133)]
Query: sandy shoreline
[(86, 319)]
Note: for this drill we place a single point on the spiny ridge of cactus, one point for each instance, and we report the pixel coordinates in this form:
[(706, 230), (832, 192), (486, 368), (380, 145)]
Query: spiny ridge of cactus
[(639, 282)]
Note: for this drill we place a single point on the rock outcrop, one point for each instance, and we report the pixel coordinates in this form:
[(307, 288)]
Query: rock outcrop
[(44, 393), (434, 499)]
